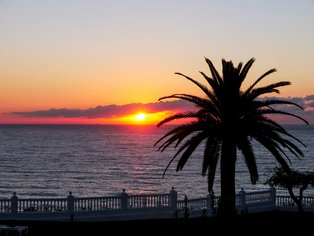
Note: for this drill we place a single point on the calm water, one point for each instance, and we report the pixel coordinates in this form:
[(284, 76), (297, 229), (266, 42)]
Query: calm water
[(98, 160)]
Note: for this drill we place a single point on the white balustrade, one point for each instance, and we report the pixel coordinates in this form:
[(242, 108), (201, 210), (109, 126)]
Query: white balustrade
[(42, 205), (258, 197), (251, 201), (97, 203), (144, 201), (308, 202), (284, 201), (5, 205)]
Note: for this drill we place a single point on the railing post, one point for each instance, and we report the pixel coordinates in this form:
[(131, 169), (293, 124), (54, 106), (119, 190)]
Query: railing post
[(173, 199), (70, 202), (242, 200), (272, 191), (144, 202), (124, 200), (14, 203)]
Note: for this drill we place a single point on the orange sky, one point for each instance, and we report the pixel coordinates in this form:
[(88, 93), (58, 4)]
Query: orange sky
[(82, 54)]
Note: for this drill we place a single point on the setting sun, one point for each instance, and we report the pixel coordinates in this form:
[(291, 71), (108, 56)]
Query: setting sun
[(140, 116)]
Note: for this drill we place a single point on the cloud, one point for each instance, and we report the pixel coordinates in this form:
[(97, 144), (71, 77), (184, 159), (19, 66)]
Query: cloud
[(109, 111), (311, 104), (307, 103), (115, 111), (310, 97)]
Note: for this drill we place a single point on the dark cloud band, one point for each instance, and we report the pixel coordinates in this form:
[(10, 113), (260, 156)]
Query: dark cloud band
[(112, 111), (108, 111)]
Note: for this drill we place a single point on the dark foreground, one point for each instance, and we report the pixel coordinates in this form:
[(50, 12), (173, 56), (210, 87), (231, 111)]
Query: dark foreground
[(253, 224)]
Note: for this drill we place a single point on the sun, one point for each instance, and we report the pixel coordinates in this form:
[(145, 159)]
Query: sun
[(140, 116)]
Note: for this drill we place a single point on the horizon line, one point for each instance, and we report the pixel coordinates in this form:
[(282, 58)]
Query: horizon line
[(118, 124)]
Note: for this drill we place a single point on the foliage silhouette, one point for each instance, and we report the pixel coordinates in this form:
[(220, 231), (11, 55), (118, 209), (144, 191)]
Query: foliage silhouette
[(186, 211), (228, 119), (292, 179)]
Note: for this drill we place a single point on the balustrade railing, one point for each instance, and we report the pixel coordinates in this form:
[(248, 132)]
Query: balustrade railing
[(244, 200), (71, 203), (97, 203), (143, 201), (261, 197), (5, 205), (286, 201), (308, 202), (42, 205)]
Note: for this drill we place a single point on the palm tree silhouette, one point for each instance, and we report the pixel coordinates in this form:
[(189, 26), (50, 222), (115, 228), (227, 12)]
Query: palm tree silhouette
[(228, 119)]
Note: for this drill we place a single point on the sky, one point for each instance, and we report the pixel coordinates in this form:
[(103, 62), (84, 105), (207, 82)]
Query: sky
[(107, 61)]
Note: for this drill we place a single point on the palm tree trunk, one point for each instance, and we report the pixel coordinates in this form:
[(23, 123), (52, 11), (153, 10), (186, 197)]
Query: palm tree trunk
[(227, 172)]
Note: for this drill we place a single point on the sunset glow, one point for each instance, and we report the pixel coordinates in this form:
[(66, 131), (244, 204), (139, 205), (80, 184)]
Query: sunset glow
[(116, 53), (139, 118)]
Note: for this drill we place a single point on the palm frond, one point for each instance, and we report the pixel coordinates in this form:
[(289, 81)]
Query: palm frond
[(201, 102), (273, 149), (245, 147), (193, 143), (245, 70), (279, 112), (272, 132), (272, 125), (183, 115), (267, 89), (270, 102), (213, 84), (186, 145), (258, 80), (201, 86), (210, 160), (179, 131), (279, 142), (214, 72)]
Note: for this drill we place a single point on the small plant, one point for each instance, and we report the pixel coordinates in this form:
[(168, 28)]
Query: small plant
[(213, 203), (186, 207), (182, 224), (204, 213)]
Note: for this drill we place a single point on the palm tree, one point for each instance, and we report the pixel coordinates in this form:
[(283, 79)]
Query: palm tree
[(227, 119)]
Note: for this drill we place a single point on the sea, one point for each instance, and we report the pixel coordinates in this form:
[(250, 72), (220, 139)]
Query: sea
[(44, 161)]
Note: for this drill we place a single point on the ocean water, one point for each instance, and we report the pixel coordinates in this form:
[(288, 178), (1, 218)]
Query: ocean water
[(101, 160)]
